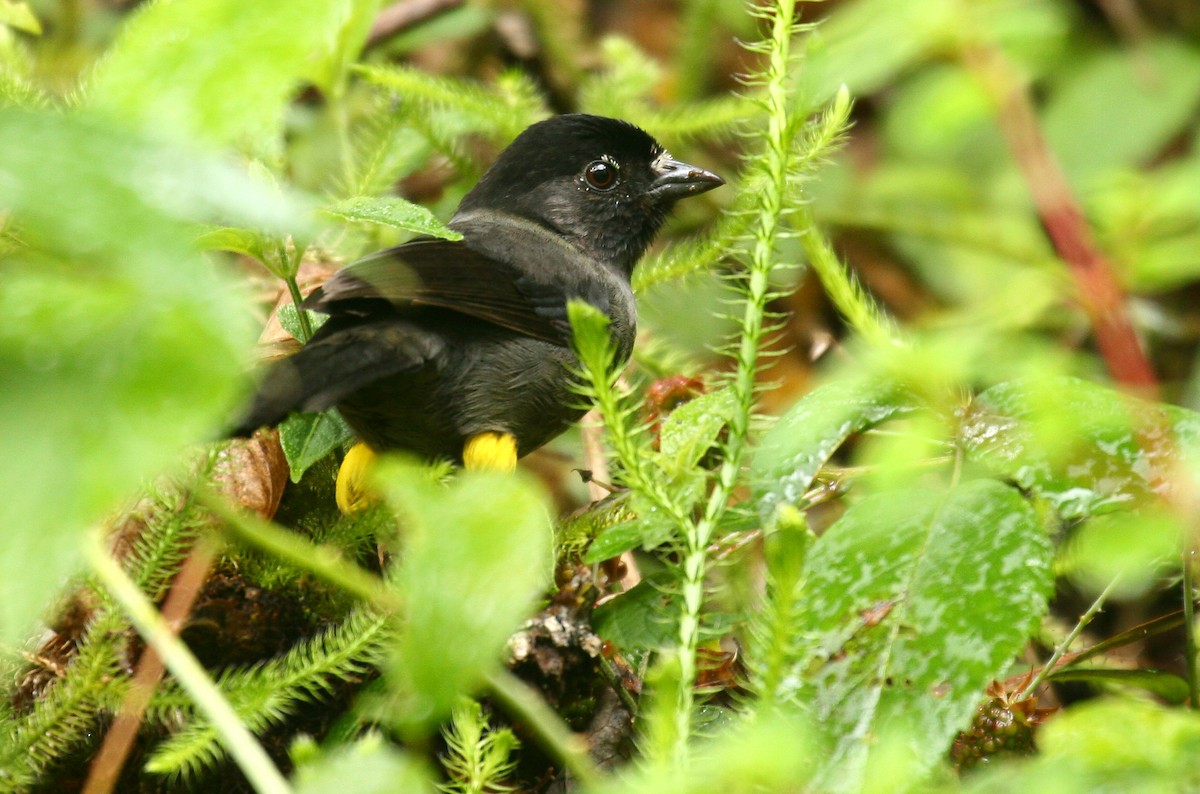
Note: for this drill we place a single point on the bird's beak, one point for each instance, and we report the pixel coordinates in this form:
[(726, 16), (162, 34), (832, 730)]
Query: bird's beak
[(676, 180)]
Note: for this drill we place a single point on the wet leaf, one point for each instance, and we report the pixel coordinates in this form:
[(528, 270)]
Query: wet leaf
[(693, 428), (1085, 448), (394, 212), (916, 600), (802, 441)]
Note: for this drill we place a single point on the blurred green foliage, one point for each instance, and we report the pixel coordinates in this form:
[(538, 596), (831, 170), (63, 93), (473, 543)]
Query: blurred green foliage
[(880, 538)]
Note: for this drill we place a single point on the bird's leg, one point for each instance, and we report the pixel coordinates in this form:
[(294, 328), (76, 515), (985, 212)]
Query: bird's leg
[(482, 452), (351, 490), (490, 452)]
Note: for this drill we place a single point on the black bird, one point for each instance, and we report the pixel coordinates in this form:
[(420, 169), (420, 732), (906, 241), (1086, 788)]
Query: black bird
[(460, 350)]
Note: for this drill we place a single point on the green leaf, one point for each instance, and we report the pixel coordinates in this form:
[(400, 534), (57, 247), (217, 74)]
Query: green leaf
[(645, 618), (1079, 115), (793, 451), (18, 16), (213, 70), (692, 429), (394, 212), (648, 527), (239, 241), (120, 345), (615, 541), (1167, 686), (915, 601), (476, 557), (289, 319), (1085, 448), (307, 438), (374, 765)]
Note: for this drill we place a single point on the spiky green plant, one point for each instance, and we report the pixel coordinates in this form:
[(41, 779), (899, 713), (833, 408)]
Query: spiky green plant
[(478, 758)]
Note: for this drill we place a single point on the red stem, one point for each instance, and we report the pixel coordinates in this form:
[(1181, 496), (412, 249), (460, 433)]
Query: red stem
[(1100, 291)]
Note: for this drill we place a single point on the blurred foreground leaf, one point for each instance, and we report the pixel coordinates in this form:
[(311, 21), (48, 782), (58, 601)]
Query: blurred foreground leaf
[(215, 70), (120, 345), (476, 556)]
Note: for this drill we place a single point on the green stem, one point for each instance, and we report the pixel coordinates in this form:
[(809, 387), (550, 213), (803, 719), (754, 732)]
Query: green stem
[(762, 261), (239, 742), (1063, 646), (325, 562), (1189, 626), (306, 329), (523, 702), (862, 313)]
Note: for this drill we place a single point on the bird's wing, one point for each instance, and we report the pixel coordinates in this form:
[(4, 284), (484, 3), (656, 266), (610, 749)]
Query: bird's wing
[(328, 369), (450, 275)]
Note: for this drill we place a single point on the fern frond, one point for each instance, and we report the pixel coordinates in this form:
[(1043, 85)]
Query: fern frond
[(265, 694), (164, 525), (626, 82), (477, 758), (767, 203), (65, 715), (718, 118), (502, 113), (772, 630), (384, 149)]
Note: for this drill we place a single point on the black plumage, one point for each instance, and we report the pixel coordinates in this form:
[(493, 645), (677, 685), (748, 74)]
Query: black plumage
[(433, 342)]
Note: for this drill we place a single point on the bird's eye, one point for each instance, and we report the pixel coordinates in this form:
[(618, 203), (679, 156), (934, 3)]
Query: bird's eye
[(601, 175)]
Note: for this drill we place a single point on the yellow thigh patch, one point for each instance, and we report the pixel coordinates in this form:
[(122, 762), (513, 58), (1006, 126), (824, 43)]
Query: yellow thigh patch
[(491, 452), (352, 494)]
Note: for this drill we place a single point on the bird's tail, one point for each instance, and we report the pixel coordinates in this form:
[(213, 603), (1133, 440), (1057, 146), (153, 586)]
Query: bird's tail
[(331, 367)]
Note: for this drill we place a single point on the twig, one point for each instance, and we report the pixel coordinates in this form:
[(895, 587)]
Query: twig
[(245, 750), (1084, 620), (110, 759), (405, 14), (591, 429), (1189, 625)]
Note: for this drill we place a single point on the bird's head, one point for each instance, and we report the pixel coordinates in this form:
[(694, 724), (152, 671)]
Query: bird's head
[(604, 184)]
